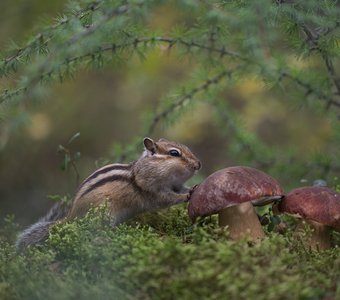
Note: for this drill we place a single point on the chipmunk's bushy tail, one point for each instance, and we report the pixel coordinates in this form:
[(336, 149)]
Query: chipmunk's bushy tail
[(38, 232)]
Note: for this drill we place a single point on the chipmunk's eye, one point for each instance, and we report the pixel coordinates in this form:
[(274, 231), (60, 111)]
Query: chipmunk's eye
[(174, 152)]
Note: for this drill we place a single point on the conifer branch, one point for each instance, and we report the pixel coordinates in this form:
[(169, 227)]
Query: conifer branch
[(42, 38), (76, 38), (180, 102), (90, 30), (133, 42), (47, 69), (314, 39), (41, 74), (310, 90), (222, 51)]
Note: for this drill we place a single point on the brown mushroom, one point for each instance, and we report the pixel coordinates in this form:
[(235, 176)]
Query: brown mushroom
[(231, 192), (318, 207)]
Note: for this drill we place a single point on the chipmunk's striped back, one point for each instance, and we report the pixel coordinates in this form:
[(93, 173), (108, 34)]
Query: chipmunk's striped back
[(103, 176), (114, 183)]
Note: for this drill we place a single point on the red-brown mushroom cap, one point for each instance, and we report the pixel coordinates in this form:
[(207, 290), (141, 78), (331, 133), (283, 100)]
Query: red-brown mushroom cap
[(319, 204), (231, 186)]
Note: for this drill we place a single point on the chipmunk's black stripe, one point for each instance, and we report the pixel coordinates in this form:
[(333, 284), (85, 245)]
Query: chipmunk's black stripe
[(104, 181), (103, 171)]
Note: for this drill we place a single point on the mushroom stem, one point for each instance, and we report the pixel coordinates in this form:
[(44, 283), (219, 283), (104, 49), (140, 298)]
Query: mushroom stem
[(320, 238), (241, 220)]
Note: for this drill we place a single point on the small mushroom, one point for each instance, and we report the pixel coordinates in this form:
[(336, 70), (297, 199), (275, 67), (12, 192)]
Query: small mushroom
[(318, 207), (231, 192)]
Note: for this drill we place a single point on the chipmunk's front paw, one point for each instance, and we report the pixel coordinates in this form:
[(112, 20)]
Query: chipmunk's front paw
[(191, 191), (184, 197)]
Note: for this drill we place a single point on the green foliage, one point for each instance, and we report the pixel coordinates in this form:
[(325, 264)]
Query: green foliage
[(9, 231), (162, 256), (290, 47), (95, 32)]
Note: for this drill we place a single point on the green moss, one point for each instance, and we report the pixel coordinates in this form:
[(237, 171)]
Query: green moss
[(163, 256)]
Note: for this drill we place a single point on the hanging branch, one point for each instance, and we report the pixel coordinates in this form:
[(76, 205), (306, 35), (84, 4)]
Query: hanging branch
[(42, 73), (187, 97), (314, 39), (222, 51), (47, 69), (135, 42), (76, 38), (43, 38), (90, 30), (310, 90)]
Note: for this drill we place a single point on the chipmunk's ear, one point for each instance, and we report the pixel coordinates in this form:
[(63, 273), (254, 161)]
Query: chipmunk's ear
[(149, 145)]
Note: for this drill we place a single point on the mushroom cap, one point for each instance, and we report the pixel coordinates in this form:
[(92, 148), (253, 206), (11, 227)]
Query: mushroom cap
[(315, 203), (229, 187)]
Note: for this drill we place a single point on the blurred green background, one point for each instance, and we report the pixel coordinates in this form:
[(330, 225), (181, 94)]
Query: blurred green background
[(105, 107)]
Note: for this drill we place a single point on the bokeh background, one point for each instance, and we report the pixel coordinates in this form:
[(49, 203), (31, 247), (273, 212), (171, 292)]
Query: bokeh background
[(105, 107)]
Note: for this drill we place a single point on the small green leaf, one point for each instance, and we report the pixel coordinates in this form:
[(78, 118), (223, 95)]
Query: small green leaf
[(75, 136), (76, 156), (54, 197), (61, 149)]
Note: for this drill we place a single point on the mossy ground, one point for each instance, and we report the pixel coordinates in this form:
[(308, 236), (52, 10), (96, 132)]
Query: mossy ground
[(163, 256)]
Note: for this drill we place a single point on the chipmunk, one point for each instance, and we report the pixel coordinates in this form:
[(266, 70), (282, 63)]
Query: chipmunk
[(152, 182)]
